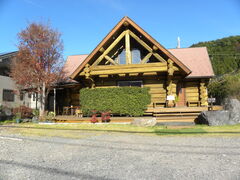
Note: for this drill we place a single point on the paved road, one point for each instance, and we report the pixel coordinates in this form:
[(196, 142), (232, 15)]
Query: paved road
[(119, 156)]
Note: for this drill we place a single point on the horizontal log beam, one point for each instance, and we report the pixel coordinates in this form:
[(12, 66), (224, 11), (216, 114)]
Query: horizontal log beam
[(132, 70), (129, 66)]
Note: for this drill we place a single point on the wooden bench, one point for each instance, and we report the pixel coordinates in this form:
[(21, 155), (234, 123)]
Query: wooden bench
[(193, 102), (78, 112), (159, 103)]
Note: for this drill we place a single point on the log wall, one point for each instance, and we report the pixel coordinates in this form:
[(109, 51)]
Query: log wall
[(192, 92)]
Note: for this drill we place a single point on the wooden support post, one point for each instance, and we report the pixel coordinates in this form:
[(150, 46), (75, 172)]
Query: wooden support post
[(159, 57), (146, 58), (54, 103), (128, 48), (170, 71), (203, 93)]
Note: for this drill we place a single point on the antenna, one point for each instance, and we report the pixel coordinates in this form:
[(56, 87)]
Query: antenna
[(178, 42)]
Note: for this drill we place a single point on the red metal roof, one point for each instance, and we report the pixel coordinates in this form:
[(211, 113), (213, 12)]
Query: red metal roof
[(196, 59), (72, 63)]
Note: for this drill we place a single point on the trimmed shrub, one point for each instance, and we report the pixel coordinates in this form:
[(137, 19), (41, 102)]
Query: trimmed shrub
[(120, 100)]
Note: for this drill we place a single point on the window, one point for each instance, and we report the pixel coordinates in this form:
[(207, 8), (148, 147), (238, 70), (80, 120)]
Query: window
[(122, 57), (130, 83), (136, 56), (35, 96), (21, 96), (8, 95)]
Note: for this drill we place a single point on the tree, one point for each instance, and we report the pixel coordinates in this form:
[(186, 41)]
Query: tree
[(38, 64)]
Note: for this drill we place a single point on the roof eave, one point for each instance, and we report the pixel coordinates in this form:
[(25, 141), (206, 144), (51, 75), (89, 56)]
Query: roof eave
[(198, 77)]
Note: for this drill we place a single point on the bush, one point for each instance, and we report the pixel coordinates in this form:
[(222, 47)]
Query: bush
[(23, 112), (120, 100), (36, 112), (226, 86)]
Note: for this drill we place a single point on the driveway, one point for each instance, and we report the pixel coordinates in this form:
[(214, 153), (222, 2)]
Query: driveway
[(119, 156)]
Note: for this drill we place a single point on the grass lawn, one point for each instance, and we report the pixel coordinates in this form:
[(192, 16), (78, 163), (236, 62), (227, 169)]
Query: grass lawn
[(83, 130)]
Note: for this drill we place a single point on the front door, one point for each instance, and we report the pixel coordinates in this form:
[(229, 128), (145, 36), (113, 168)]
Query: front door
[(180, 99)]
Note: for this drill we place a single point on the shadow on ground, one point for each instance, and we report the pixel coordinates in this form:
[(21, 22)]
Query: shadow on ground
[(49, 170)]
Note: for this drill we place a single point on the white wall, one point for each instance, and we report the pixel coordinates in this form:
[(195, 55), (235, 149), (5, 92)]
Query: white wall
[(8, 83), (32, 102)]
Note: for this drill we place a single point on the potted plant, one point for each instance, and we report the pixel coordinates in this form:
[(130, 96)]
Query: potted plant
[(176, 100), (18, 117), (35, 117), (94, 116)]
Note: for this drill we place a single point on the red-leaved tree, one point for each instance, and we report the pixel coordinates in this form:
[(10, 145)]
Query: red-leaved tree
[(38, 64)]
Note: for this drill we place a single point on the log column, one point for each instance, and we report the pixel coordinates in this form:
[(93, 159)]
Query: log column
[(128, 48), (203, 93), (170, 71), (87, 72)]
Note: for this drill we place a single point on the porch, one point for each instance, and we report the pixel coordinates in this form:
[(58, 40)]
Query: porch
[(175, 114)]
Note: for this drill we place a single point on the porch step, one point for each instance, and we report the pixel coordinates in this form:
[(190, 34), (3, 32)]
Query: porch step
[(176, 114)]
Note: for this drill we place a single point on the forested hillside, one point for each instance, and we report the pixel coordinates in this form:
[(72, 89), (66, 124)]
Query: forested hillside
[(224, 54)]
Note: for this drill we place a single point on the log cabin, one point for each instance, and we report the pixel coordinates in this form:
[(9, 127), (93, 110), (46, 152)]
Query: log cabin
[(129, 56)]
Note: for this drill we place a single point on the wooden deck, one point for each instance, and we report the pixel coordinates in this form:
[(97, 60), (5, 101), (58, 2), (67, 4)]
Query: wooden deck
[(176, 114)]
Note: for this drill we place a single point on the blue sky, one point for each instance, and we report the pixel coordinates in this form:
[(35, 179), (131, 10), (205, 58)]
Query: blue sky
[(84, 23)]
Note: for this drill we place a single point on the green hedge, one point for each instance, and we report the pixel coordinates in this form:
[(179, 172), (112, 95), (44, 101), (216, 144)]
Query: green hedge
[(120, 100)]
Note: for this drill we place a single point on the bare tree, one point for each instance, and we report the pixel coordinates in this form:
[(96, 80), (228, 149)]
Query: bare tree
[(38, 64)]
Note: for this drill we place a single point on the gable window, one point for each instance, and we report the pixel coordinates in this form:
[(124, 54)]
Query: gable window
[(130, 83), (136, 56), (8, 95), (122, 57)]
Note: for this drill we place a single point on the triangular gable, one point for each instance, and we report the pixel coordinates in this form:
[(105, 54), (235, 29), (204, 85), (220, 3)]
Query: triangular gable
[(116, 32)]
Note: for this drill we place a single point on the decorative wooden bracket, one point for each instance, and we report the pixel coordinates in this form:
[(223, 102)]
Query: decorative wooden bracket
[(87, 72), (170, 67)]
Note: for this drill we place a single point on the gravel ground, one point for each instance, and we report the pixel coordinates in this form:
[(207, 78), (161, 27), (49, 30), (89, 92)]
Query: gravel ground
[(119, 156)]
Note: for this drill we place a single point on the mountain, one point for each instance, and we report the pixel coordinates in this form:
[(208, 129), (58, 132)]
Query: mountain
[(224, 54)]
